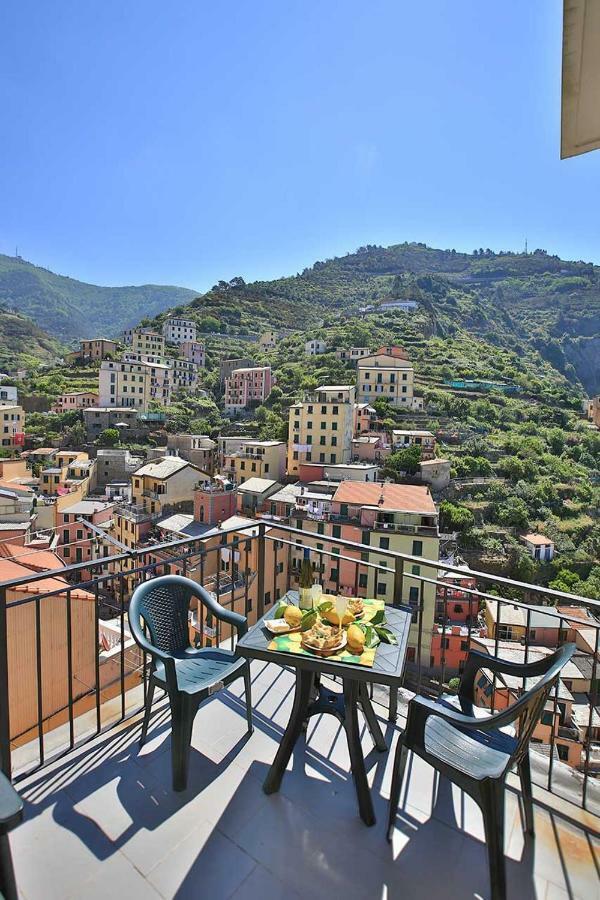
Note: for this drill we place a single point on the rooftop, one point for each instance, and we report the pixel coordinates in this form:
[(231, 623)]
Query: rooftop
[(164, 467), (396, 497), (86, 507), (256, 485), (184, 524), (539, 539)]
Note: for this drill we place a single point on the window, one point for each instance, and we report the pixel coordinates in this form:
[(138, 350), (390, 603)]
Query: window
[(320, 528), (323, 410), (334, 441), (547, 717), (464, 645), (381, 587), (322, 441), (332, 458), (416, 570), (417, 548), (299, 524), (267, 598), (323, 426), (309, 425), (335, 411), (334, 574), (336, 531), (365, 537), (362, 580), (321, 457), (445, 643), (384, 543)]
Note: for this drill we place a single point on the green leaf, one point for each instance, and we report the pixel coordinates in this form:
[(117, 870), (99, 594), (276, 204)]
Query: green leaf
[(387, 636), (325, 606), (308, 620), (280, 610), (378, 618)]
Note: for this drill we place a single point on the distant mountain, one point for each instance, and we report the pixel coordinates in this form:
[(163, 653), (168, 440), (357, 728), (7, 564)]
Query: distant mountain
[(69, 309)]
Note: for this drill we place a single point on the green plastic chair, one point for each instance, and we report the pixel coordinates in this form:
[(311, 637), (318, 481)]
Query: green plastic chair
[(188, 675), (476, 750)]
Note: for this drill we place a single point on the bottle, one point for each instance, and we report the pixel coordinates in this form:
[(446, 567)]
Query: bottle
[(305, 581)]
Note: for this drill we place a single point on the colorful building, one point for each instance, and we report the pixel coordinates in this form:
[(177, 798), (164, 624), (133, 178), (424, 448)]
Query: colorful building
[(386, 374), (321, 426), (247, 387)]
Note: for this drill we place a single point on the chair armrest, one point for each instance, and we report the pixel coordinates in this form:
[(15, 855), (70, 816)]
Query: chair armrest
[(420, 708), (11, 805), (477, 660)]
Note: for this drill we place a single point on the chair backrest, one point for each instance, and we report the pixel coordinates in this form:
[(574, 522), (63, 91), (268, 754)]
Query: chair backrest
[(531, 704), (163, 604)]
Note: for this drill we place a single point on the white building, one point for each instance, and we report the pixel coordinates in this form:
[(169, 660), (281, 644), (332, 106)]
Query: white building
[(313, 348), (539, 546), (176, 330), (8, 394)]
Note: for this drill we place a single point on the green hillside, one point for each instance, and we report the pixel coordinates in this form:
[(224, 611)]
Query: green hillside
[(23, 344), (71, 309), (524, 303)]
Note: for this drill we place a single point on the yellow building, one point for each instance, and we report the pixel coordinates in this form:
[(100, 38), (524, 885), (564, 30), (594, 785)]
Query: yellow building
[(166, 484), (268, 340), (386, 374), (147, 342), (320, 427), (260, 459), (12, 423), (133, 383)]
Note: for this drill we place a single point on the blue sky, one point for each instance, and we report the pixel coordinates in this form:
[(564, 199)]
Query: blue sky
[(186, 142)]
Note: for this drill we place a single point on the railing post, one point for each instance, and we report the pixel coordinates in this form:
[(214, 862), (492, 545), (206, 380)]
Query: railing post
[(260, 600), (4, 699), (398, 581)]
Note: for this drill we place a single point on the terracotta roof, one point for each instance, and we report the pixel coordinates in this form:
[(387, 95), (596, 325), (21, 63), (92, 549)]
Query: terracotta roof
[(10, 570), (536, 539), (401, 497), (30, 557)]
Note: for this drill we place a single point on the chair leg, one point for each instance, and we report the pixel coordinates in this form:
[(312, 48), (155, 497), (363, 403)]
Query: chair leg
[(527, 793), (248, 696), (147, 711), (183, 711), (492, 798), (8, 886), (400, 758)]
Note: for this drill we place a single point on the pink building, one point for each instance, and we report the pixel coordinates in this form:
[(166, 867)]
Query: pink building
[(194, 352), (370, 448), (452, 603), (452, 646), (77, 542), (247, 387), (214, 502), (75, 400)]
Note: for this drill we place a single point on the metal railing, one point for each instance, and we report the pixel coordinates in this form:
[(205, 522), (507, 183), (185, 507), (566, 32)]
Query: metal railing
[(261, 571)]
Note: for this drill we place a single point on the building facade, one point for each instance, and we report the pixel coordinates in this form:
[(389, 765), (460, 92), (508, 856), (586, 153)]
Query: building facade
[(177, 330), (12, 425), (193, 351), (147, 342), (261, 459), (247, 387), (321, 426), (75, 400), (386, 374)]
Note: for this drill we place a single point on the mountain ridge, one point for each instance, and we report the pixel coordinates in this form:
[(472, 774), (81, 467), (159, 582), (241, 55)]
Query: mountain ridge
[(69, 309)]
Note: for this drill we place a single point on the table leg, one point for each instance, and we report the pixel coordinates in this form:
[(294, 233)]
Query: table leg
[(302, 696), (393, 709), (371, 718), (357, 761)]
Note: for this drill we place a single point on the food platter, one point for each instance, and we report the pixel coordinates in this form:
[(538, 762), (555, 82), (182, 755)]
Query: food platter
[(280, 626), (327, 651)]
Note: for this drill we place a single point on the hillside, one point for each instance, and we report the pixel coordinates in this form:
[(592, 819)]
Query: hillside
[(69, 309), (23, 344), (532, 302)]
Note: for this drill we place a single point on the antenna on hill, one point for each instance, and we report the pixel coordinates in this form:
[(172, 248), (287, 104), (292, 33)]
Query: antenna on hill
[(525, 246)]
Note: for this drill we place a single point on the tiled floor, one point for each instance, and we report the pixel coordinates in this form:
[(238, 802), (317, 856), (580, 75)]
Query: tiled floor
[(104, 822)]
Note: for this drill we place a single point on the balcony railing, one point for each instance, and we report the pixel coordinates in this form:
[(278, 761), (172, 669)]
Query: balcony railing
[(263, 552)]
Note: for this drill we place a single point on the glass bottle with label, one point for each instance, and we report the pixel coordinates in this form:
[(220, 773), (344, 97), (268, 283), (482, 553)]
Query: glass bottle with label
[(306, 581)]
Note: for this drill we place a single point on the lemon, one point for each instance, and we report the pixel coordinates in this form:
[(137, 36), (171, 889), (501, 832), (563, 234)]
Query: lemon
[(356, 639), (332, 616), (293, 616)]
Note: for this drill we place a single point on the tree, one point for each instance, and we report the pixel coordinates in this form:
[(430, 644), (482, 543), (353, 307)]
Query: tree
[(108, 438), (454, 517), (513, 513), (402, 461)]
